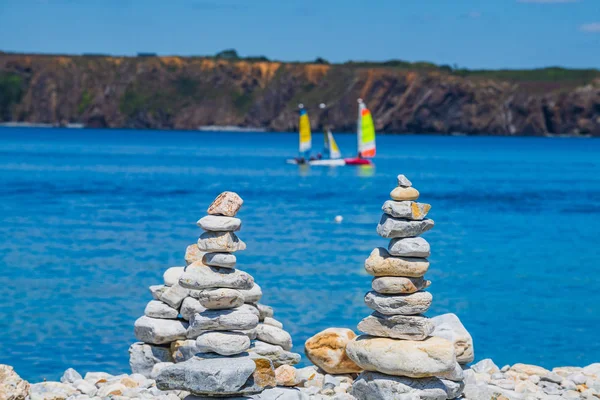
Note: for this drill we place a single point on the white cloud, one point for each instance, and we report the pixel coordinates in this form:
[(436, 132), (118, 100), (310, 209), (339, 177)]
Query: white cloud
[(548, 1), (593, 27)]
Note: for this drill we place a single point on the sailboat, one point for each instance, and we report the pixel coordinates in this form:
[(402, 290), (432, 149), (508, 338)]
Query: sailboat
[(365, 132), (304, 136), (333, 157)]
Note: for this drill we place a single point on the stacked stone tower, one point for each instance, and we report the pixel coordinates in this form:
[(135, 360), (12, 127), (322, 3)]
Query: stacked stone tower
[(205, 332), (396, 350)]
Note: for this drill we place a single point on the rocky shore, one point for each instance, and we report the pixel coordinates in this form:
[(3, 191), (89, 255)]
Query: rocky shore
[(205, 334)]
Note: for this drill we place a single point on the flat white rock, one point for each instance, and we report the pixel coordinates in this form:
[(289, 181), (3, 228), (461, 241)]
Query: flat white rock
[(401, 304), (408, 327), (223, 320), (390, 227), (220, 242), (409, 247), (252, 295), (219, 299), (225, 260), (159, 331), (171, 276), (224, 343), (158, 309), (406, 209), (198, 276), (273, 335), (219, 223), (189, 307), (449, 327)]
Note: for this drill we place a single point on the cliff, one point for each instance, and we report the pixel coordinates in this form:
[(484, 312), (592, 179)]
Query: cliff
[(190, 92)]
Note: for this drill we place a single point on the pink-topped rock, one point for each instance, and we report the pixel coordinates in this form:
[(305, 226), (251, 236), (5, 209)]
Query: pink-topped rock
[(227, 204)]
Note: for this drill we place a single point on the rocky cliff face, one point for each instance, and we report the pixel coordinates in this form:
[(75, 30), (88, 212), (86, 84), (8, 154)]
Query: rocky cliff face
[(187, 93)]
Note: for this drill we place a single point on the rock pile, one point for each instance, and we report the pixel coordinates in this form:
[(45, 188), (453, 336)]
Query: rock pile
[(205, 331), (397, 351)]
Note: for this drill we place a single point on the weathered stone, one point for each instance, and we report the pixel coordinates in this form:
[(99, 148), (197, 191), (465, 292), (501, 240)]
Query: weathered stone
[(190, 307), (198, 277), (273, 335), (220, 242), (377, 386), (406, 209), (223, 320), (224, 343), (398, 284), (280, 393), (529, 369), (276, 354), (455, 375), (327, 350), (174, 295), (285, 375), (157, 291), (403, 181), (96, 377), (219, 299), (409, 327), (252, 295), (70, 376), (264, 374), (183, 350), (227, 204), (407, 304), (415, 359), (224, 260), (49, 391), (158, 309), (171, 275), (380, 263), (159, 331), (12, 387), (218, 223), (409, 247), (159, 367), (404, 193), (265, 311), (390, 227), (486, 366), (449, 327), (86, 388), (193, 254), (273, 322), (453, 389)]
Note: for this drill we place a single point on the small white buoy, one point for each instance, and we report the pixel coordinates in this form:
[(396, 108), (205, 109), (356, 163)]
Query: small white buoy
[(339, 219)]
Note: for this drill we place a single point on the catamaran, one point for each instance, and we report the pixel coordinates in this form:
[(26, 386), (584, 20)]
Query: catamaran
[(331, 152), (365, 132), (305, 138)]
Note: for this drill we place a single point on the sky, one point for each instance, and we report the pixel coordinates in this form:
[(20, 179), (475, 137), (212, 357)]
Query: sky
[(466, 33)]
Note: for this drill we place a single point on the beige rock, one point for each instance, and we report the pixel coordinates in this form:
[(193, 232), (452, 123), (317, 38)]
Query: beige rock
[(227, 204), (398, 284), (381, 263), (327, 350), (115, 389), (449, 327), (51, 391), (285, 375), (273, 335), (12, 387), (218, 299), (404, 193), (264, 374), (529, 369), (415, 359), (400, 304), (222, 242), (193, 254), (409, 327)]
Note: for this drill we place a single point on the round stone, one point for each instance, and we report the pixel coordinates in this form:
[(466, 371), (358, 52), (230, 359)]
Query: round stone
[(404, 193), (398, 284), (380, 263)]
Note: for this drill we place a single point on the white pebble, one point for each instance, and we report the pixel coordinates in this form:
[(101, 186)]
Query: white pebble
[(339, 219)]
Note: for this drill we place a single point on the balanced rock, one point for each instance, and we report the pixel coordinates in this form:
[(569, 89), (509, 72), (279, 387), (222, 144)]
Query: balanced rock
[(218, 299), (226, 242), (143, 357), (190, 307), (223, 320), (227, 204), (252, 295), (273, 322), (174, 295), (213, 376), (218, 223), (449, 327), (224, 343), (225, 260), (275, 353), (406, 209), (390, 227), (403, 181), (171, 276), (377, 386), (415, 359), (381, 263), (159, 331), (407, 304), (198, 276), (183, 350), (404, 193), (158, 309), (409, 327), (409, 247), (193, 254), (327, 350), (398, 284), (273, 335), (12, 387)]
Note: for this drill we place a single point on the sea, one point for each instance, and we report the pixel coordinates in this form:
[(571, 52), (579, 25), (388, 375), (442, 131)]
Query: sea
[(89, 219)]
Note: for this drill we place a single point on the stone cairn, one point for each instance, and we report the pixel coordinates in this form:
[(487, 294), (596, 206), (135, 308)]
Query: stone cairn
[(397, 351), (205, 331)]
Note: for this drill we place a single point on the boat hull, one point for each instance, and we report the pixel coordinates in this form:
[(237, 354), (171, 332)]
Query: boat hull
[(357, 161), (328, 163)]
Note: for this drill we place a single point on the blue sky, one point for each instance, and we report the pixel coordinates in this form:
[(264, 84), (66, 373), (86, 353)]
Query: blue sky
[(470, 33)]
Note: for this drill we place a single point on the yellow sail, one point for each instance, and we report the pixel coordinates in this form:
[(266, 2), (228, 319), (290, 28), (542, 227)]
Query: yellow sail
[(304, 130), (365, 131), (334, 150)]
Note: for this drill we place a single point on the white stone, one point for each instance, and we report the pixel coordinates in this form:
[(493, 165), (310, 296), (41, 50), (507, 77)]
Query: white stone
[(183, 350), (403, 181), (252, 295), (115, 389), (220, 242), (273, 322), (70, 376), (485, 366), (378, 386), (190, 307), (158, 309), (402, 304), (159, 331), (449, 327), (406, 209), (274, 335), (409, 327), (218, 223), (142, 358), (275, 353), (223, 320), (171, 276), (390, 227), (224, 343), (265, 311), (224, 260), (193, 254), (158, 368), (85, 387), (398, 284), (409, 247), (51, 391), (218, 299), (174, 295), (157, 291), (227, 204), (198, 277)]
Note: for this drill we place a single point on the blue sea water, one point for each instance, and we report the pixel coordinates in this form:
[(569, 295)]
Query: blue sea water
[(90, 218)]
